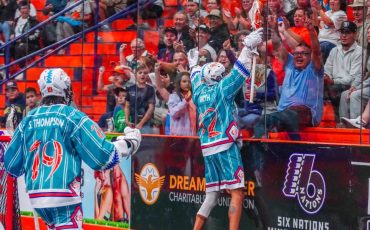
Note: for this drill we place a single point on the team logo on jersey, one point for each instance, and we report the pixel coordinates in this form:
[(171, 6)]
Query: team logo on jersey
[(150, 183), (303, 182)]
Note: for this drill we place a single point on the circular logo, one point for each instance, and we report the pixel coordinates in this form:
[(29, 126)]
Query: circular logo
[(150, 183)]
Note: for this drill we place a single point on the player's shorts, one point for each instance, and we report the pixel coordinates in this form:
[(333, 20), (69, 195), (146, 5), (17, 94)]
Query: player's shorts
[(224, 170), (65, 217)]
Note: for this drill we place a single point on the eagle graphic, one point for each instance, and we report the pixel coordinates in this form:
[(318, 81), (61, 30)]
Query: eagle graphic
[(149, 184)]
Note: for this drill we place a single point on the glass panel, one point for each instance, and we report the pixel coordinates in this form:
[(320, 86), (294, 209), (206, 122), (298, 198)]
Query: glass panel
[(166, 38)]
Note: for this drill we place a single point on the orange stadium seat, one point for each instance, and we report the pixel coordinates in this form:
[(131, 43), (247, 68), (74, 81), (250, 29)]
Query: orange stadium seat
[(114, 36), (88, 48), (41, 17), (328, 116), (151, 40), (168, 12), (87, 88), (70, 61), (122, 24), (327, 135), (170, 2), (86, 100), (2, 101), (168, 22), (110, 61)]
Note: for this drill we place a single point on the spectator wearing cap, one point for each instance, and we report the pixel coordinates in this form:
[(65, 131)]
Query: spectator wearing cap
[(219, 30), (359, 10), (170, 37), (343, 66), (352, 102), (117, 80), (14, 98), (202, 36), (181, 24), (195, 15)]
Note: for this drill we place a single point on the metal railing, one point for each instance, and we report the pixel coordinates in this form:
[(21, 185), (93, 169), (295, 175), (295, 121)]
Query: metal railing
[(64, 42)]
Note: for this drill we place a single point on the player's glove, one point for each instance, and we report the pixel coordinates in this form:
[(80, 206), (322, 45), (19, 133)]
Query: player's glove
[(193, 58), (128, 144), (254, 39), (251, 43)]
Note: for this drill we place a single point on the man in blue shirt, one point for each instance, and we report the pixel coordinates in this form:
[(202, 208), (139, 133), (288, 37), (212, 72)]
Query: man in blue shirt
[(301, 101)]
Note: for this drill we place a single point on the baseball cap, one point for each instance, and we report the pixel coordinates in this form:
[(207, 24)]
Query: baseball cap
[(121, 68), (11, 84), (215, 13), (203, 28), (171, 30), (348, 26), (358, 3)]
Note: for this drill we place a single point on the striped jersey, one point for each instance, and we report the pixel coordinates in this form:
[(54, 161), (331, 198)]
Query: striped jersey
[(217, 111), (48, 147)]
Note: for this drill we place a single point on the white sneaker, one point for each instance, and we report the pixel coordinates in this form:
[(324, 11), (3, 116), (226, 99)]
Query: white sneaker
[(355, 123)]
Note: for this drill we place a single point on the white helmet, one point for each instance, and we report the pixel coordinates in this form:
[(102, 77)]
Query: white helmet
[(55, 82), (212, 72)]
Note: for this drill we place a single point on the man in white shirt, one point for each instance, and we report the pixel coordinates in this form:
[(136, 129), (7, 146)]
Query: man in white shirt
[(343, 66), (202, 36)]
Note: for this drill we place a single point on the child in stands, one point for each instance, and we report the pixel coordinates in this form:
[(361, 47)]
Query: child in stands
[(140, 101), (32, 100), (119, 116), (181, 107)]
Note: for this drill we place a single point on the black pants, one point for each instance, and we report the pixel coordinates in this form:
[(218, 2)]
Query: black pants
[(333, 93), (291, 120)]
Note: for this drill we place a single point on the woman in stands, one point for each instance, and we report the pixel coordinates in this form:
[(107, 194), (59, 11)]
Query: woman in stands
[(224, 60), (242, 20), (181, 107), (330, 22)]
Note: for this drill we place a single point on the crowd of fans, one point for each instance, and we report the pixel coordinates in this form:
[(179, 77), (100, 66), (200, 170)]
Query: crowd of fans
[(314, 53)]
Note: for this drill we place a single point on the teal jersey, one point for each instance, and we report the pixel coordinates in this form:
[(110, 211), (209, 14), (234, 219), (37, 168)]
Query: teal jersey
[(215, 104), (48, 147)]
